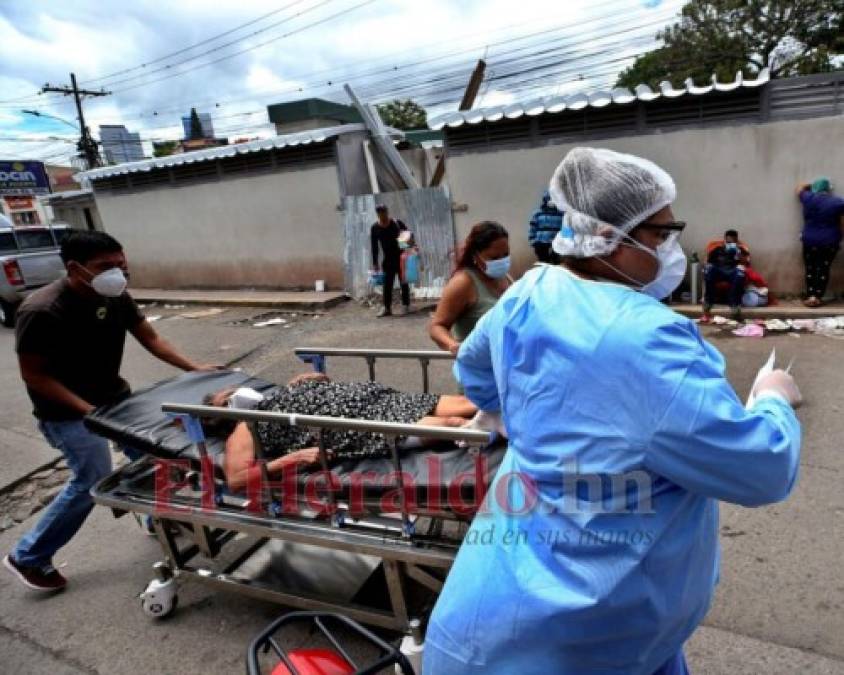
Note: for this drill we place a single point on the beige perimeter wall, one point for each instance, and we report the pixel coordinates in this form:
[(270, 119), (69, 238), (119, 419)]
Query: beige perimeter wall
[(279, 230), (742, 176)]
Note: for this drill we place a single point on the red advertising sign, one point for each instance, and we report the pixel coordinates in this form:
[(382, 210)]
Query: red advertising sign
[(19, 202)]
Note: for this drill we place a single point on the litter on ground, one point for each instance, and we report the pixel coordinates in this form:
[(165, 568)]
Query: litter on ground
[(269, 322), (750, 330), (202, 313)]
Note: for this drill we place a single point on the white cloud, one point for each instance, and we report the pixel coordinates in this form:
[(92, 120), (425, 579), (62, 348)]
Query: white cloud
[(43, 40)]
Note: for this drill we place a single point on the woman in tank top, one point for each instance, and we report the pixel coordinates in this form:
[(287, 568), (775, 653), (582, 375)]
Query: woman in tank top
[(480, 279)]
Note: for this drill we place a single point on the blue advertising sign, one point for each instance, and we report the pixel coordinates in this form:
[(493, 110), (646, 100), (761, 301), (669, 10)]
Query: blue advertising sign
[(23, 178)]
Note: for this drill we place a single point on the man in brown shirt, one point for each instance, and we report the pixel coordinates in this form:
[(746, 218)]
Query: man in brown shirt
[(69, 339)]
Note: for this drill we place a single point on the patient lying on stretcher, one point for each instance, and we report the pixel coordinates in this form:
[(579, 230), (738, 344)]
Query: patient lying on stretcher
[(315, 394)]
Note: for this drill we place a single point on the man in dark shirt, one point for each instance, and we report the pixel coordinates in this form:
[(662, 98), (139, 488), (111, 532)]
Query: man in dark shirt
[(386, 232), (724, 265), (69, 339)]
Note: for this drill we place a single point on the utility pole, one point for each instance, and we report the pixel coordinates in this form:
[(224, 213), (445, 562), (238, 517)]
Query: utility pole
[(87, 145)]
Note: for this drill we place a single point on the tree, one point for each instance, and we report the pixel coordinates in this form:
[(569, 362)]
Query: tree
[(195, 126), (164, 148), (406, 115), (790, 37)]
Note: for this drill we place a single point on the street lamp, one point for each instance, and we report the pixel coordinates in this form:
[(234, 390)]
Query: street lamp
[(36, 113), (80, 144)]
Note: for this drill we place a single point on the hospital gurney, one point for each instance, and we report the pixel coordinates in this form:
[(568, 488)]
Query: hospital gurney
[(375, 550)]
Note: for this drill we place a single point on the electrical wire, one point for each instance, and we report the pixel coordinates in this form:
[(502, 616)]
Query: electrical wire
[(197, 44), (253, 47)]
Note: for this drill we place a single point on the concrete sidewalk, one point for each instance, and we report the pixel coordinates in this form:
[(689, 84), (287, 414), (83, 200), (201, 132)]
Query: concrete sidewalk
[(786, 309), (243, 298)]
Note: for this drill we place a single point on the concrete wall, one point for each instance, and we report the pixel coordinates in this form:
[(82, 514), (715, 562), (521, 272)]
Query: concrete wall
[(277, 230), (740, 176)]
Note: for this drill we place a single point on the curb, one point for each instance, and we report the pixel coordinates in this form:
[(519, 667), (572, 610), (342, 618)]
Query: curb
[(243, 302)]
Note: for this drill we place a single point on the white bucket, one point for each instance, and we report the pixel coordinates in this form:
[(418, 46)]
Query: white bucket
[(319, 286)]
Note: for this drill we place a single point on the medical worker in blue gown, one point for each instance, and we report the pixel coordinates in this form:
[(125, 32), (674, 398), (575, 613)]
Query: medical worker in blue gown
[(598, 552)]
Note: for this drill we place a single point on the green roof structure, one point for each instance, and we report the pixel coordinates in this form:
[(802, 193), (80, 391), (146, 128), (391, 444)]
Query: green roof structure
[(312, 108)]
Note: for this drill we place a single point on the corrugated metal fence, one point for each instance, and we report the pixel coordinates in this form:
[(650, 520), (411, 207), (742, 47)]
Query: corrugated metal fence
[(425, 211)]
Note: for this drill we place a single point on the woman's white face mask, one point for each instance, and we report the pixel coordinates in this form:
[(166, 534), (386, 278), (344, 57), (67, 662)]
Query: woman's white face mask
[(671, 271)]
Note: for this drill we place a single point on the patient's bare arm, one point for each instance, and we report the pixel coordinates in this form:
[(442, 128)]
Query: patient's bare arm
[(240, 458), (455, 406)]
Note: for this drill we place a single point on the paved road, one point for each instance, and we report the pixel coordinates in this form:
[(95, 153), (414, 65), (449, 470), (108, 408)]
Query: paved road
[(779, 608)]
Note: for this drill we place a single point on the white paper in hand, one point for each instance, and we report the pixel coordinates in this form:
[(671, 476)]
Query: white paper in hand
[(766, 369)]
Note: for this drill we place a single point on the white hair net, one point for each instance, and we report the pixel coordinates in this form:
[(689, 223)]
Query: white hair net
[(604, 195)]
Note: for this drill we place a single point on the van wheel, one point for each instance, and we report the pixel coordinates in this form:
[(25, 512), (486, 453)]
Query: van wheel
[(7, 314)]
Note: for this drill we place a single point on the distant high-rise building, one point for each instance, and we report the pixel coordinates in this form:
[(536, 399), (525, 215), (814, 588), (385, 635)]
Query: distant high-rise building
[(204, 122), (119, 145)]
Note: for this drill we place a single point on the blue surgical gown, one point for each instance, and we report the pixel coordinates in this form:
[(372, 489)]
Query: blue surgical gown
[(596, 550)]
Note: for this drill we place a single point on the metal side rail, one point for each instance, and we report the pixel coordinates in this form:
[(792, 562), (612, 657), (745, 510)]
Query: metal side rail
[(316, 356)]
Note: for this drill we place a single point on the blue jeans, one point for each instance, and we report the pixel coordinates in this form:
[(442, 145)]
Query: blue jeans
[(89, 461), (713, 275)]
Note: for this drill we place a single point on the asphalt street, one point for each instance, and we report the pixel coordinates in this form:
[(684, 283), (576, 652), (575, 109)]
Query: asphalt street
[(779, 608)]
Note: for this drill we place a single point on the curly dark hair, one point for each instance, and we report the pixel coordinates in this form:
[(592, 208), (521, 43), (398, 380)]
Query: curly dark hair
[(481, 236)]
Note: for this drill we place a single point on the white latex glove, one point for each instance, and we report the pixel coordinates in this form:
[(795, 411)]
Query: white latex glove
[(487, 421), (779, 383)]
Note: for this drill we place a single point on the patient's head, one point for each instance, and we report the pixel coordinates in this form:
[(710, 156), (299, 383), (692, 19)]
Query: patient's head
[(219, 399)]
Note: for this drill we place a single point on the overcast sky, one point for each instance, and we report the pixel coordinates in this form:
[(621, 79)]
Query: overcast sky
[(386, 48)]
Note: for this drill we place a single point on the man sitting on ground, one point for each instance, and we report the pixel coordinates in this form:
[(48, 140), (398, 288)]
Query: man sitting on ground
[(723, 264)]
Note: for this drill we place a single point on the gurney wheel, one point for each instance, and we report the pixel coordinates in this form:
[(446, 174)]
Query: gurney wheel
[(160, 610), (160, 599)]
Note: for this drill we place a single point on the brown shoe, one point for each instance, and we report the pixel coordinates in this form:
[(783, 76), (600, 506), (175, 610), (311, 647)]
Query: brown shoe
[(45, 579)]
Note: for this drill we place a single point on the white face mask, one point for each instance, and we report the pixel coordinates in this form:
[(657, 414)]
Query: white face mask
[(672, 267), (244, 398), (110, 283)]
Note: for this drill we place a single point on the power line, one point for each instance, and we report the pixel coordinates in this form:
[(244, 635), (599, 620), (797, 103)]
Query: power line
[(196, 44), (225, 45), (433, 86), (456, 78), (472, 49), (322, 85), (252, 48)]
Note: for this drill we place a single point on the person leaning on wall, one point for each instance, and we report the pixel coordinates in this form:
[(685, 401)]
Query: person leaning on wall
[(823, 222)]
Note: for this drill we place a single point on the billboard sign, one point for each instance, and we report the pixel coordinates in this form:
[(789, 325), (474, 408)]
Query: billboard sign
[(23, 178)]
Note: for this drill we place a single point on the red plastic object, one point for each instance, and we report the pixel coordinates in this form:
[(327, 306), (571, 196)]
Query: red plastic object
[(13, 272), (315, 662)]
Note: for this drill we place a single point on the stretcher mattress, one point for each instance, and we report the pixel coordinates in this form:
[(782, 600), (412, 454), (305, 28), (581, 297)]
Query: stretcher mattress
[(139, 422)]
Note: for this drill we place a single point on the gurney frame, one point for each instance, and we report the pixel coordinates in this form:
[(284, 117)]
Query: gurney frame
[(201, 520)]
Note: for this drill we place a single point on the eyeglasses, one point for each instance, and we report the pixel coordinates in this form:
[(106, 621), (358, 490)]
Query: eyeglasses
[(673, 226), (665, 230)]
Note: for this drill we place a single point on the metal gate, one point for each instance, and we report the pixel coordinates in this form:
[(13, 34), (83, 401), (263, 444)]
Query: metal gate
[(425, 211)]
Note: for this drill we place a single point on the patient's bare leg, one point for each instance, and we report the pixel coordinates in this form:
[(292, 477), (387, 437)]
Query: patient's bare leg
[(455, 406)]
